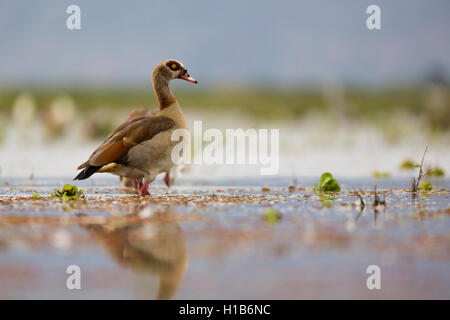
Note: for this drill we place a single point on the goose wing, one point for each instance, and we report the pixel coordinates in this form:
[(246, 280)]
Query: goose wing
[(124, 137)]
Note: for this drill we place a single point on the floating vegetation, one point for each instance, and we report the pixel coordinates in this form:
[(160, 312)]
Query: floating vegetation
[(381, 174), (327, 184), (271, 216), (409, 165), (36, 195), (69, 192), (425, 186), (327, 201), (436, 172)]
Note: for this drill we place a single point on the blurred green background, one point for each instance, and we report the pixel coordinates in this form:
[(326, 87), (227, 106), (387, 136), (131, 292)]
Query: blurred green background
[(428, 104)]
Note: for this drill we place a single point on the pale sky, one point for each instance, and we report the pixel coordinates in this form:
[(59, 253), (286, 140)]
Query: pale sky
[(233, 41)]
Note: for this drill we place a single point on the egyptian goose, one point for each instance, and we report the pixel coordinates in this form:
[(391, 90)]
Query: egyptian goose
[(140, 148)]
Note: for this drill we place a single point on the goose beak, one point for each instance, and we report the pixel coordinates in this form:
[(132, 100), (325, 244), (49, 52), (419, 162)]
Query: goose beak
[(187, 77)]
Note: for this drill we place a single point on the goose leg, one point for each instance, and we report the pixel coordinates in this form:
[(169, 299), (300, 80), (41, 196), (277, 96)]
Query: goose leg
[(167, 179), (137, 184), (144, 189)]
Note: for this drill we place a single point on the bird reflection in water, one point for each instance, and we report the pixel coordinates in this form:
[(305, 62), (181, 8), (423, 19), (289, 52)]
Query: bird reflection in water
[(155, 246)]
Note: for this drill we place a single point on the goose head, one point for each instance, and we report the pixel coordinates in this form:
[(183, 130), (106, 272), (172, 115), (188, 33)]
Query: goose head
[(172, 69)]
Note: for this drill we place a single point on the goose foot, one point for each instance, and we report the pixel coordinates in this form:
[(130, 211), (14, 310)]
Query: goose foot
[(141, 188), (167, 179), (144, 189)]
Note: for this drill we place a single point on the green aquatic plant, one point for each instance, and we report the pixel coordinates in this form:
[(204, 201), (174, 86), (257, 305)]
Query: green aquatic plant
[(69, 192), (425, 185), (381, 174), (327, 201), (409, 165), (36, 195), (327, 184), (271, 216), (436, 172)]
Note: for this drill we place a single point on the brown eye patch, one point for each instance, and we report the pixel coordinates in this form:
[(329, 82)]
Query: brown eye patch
[(174, 66)]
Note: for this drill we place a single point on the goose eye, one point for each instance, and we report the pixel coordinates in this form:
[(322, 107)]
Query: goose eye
[(174, 66)]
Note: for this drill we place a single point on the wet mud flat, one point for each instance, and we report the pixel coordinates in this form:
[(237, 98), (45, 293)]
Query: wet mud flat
[(235, 239)]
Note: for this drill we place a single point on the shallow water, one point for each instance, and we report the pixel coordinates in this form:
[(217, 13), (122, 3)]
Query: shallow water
[(212, 239)]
